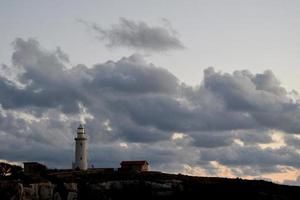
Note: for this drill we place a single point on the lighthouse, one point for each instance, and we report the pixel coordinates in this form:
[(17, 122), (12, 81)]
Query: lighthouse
[(80, 149)]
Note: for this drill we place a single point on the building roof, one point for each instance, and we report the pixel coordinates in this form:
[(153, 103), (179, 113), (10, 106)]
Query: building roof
[(135, 162), (33, 163)]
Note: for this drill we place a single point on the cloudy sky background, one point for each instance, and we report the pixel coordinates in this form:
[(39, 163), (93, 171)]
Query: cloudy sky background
[(195, 87)]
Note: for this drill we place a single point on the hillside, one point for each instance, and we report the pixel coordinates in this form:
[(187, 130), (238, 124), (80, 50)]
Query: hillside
[(143, 185)]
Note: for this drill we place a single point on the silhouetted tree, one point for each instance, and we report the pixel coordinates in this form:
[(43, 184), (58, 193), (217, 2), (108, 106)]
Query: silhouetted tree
[(8, 169)]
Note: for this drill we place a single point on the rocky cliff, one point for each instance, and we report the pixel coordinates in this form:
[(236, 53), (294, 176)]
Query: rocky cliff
[(147, 185)]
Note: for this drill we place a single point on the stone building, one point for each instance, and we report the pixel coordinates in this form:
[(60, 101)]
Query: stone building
[(138, 165), (34, 168)]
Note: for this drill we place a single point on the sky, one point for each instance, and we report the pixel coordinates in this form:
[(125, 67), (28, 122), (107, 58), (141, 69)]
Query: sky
[(205, 88)]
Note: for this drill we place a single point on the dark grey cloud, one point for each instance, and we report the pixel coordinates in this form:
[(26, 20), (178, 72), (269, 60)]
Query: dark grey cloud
[(24, 139), (133, 75), (137, 35), (212, 139), (249, 137), (148, 95), (292, 141), (141, 105), (254, 155), (259, 96), (47, 84)]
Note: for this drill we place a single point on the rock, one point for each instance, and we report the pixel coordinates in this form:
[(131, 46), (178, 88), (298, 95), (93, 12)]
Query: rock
[(45, 191), (10, 190), (72, 191)]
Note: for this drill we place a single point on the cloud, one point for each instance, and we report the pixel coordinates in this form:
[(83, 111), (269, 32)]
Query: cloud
[(129, 101), (212, 139), (237, 155), (292, 141), (137, 35), (249, 137), (293, 182), (133, 75), (259, 96)]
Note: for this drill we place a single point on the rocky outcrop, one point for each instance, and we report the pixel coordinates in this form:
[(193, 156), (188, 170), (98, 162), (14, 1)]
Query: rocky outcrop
[(12, 190), (37, 191), (114, 185), (130, 189)]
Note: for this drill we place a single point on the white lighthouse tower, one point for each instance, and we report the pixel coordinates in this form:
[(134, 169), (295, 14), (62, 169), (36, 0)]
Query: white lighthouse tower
[(80, 149)]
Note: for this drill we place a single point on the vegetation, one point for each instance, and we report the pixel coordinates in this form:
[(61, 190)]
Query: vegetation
[(7, 169)]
